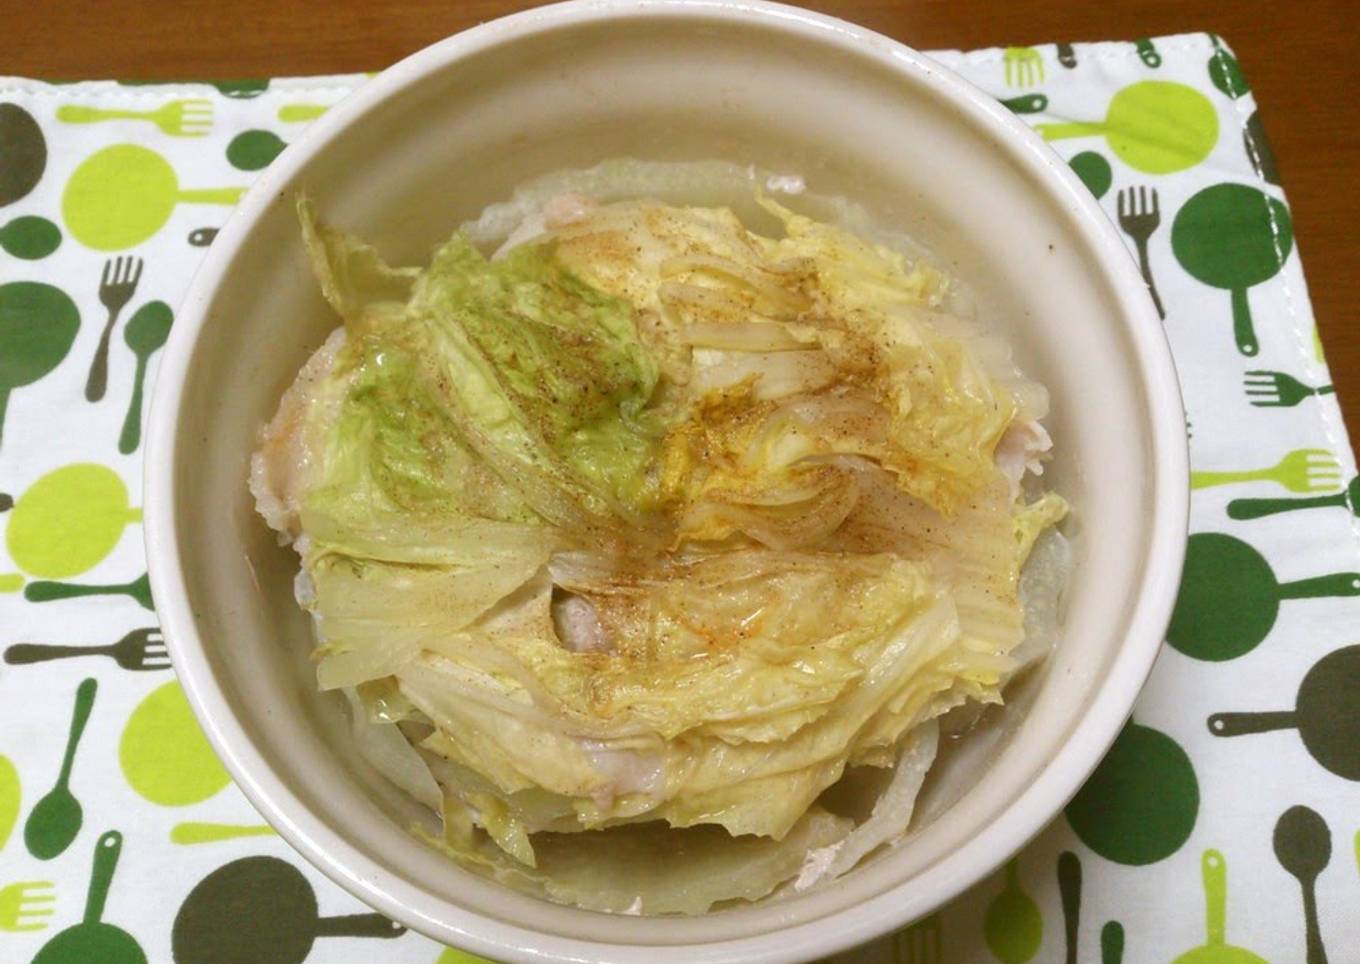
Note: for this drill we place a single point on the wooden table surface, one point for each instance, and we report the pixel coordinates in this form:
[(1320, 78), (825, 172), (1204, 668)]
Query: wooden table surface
[(1300, 58)]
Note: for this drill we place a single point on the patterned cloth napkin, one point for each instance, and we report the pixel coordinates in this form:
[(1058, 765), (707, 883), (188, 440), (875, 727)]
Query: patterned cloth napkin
[(1224, 815)]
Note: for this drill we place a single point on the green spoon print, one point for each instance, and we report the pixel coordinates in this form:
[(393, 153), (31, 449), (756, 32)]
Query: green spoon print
[(1112, 943), (29, 238), (56, 818), (9, 798), (164, 755), (145, 334), (1303, 846), (92, 939), (23, 153), (297, 113), (69, 520), (1216, 949), (1259, 151), (202, 237), (1302, 470), (139, 589), (1233, 236), (1224, 71), (1229, 597), (281, 906), (1069, 889), (1259, 508), (1066, 55), (1013, 925), (1141, 803), (1153, 126), (1326, 713), (38, 324), (197, 833), (254, 150), (452, 955), (122, 195), (1094, 172)]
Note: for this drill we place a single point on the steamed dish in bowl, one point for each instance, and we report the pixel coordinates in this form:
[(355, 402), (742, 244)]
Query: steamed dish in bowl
[(650, 543)]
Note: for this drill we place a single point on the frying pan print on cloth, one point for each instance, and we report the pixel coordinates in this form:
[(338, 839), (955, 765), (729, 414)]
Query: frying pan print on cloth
[(1229, 597), (1216, 949), (1153, 126), (1326, 713), (122, 195), (38, 325), (93, 940), (1140, 805), (280, 903), (1233, 237), (23, 153)]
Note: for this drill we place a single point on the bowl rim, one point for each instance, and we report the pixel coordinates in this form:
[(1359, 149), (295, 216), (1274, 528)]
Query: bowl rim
[(1040, 802)]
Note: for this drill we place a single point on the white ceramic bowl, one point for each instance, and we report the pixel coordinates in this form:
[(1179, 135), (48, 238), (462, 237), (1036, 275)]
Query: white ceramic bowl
[(435, 138)]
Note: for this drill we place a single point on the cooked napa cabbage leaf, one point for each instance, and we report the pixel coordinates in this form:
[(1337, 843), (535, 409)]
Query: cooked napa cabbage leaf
[(627, 543), (383, 747), (645, 868), (505, 390), (761, 675), (849, 324), (888, 821)]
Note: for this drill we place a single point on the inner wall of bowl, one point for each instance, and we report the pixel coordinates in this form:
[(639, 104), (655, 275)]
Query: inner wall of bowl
[(658, 88)]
